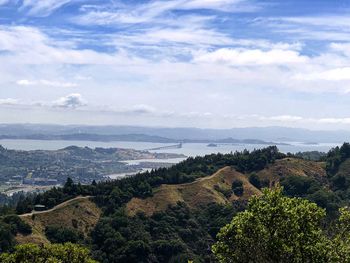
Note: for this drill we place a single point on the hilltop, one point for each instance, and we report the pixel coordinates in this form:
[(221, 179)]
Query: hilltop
[(217, 188), (79, 213), (294, 167), (212, 189)]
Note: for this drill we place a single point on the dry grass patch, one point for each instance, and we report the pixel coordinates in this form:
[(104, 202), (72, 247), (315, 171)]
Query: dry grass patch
[(79, 213), (295, 167), (200, 192)]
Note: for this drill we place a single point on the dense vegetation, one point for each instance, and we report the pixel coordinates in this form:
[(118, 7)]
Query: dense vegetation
[(275, 228), (55, 253), (112, 194), (10, 225), (60, 234), (179, 233), (191, 233)]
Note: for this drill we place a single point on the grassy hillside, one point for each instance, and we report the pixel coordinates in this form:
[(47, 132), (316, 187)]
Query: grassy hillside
[(79, 213), (185, 206), (200, 192), (294, 167), (217, 187)]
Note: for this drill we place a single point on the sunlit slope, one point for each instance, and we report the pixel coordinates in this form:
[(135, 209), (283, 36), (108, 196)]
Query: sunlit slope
[(293, 167), (79, 213), (212, 189), (200, 192)]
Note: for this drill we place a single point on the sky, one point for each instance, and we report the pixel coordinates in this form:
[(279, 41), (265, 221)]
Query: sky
[(176, 63)]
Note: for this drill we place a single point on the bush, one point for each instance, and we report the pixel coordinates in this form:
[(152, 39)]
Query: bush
[(17, 225), (237, 187), (67, 253), (59, 234), (255, 180)]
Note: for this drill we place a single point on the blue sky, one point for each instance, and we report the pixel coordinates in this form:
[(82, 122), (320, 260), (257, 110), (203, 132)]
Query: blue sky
[(203, 63)]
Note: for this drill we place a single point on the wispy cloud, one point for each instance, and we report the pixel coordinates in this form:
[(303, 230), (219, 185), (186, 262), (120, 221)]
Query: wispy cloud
[(321, 27), (118, 13), (175, 61), (338, 74), (44, 82), (42, 8), (41, 49), (252, 57), (9, 101)]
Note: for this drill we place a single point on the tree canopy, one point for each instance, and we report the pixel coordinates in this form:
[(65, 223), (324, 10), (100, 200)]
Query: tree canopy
[(276, 228), (53, 253)]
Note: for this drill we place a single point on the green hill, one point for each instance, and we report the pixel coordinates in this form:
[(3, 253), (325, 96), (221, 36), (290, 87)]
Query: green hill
[(174, 214)]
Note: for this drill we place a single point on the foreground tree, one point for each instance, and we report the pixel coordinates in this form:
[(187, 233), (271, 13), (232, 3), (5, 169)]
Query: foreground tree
[(275, 228), (53, 253), (340, 251)]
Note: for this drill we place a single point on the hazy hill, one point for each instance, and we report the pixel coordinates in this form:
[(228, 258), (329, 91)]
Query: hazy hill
[(259, 133)]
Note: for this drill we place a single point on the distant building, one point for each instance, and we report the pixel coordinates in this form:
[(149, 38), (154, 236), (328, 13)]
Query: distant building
[(39, 208), (40, 181)]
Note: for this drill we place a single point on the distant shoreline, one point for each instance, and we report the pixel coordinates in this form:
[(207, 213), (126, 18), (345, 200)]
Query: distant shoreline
[(133, 138)]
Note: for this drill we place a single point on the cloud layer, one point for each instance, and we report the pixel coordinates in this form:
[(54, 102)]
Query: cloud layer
[(208, 63)]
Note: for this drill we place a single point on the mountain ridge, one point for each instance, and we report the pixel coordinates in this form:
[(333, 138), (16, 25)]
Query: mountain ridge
[(272, 133)]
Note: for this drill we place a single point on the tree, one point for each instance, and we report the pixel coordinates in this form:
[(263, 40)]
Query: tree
[(255, 180), (341, 241), (7, 240), (60, 234), (237, 187), (55, 253), (274, 228)]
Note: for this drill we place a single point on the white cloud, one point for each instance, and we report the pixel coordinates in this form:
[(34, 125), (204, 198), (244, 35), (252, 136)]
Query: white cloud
[(186, 35), (295, 119), (283, 118), (251, 57), (39, 49), (57, 83), (222, 5), (338, 74), (44, 82), (9, 101), (334, 120), (25, 82), (343, 48), (42, 8), (341, 21), (70, 101), (153, 11)]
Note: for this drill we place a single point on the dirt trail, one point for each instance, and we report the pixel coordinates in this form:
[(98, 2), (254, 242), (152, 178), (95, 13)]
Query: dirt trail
[(57, 206)]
